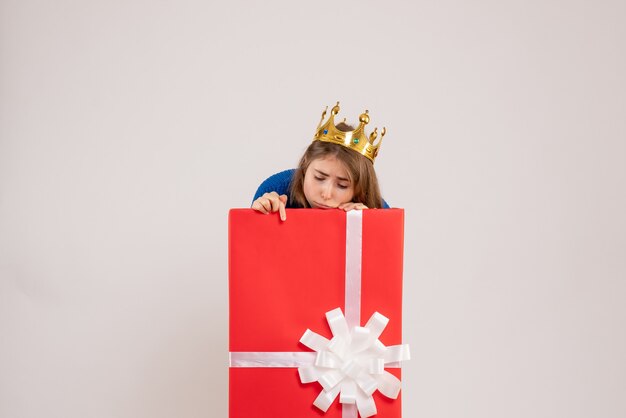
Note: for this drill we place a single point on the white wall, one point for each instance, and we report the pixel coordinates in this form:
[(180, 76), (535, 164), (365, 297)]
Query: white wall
[(129, 128)]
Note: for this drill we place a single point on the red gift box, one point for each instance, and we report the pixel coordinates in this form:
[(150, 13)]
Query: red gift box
[(283, 278)]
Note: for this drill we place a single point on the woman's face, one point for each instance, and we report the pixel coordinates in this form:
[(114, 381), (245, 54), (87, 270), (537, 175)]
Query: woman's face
[(327, 184)]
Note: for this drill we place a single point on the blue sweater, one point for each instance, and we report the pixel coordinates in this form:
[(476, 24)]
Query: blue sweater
[(279, 183)]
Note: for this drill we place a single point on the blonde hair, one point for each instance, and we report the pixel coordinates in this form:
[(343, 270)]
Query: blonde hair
[(360, 170)]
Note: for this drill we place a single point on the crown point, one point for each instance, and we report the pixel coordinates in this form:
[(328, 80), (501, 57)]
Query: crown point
[(364, 118), (335, 109), (322, 118), (373, 135), (383, 132)]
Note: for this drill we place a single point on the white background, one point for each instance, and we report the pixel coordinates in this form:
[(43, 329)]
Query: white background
[(129, 128)]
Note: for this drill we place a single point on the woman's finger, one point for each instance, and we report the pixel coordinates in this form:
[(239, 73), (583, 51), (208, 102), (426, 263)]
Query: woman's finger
[(282, 211), (274, 203), (272, 200), (266, 204), (352, 206), (258, 206)]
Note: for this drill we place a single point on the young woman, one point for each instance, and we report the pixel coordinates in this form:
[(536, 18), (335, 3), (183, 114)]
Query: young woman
[(336, 171)]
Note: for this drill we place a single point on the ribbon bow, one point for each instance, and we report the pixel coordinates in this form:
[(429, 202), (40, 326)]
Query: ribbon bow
[(352, 363)]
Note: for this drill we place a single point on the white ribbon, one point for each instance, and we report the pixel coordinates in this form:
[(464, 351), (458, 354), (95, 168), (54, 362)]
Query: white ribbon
[(350, 365), (354, 247), (270, 359)]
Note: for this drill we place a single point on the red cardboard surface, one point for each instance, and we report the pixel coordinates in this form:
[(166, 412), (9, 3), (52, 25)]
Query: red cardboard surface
[(283, 278)]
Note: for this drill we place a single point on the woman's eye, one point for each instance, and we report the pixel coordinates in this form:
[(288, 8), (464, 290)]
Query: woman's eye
[(341, 186), (319, 178)]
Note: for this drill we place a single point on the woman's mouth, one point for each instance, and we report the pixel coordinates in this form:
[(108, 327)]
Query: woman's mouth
[(319, 205)]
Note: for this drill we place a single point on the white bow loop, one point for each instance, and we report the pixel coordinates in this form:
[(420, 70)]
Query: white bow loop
[(352, 364)]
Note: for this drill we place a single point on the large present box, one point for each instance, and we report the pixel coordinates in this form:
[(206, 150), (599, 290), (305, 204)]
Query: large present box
[(305, 274)]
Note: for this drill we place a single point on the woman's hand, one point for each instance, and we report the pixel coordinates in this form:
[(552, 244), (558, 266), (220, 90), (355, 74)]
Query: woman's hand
[(351, 206), (271, 202)]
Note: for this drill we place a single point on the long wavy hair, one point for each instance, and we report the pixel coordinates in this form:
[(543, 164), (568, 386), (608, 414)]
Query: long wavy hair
[(360, 170)]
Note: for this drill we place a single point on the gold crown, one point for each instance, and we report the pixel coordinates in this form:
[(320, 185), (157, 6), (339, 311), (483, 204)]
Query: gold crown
[(356, 140)]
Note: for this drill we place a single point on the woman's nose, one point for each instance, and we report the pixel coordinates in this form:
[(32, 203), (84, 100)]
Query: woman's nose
[(327, 192)]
